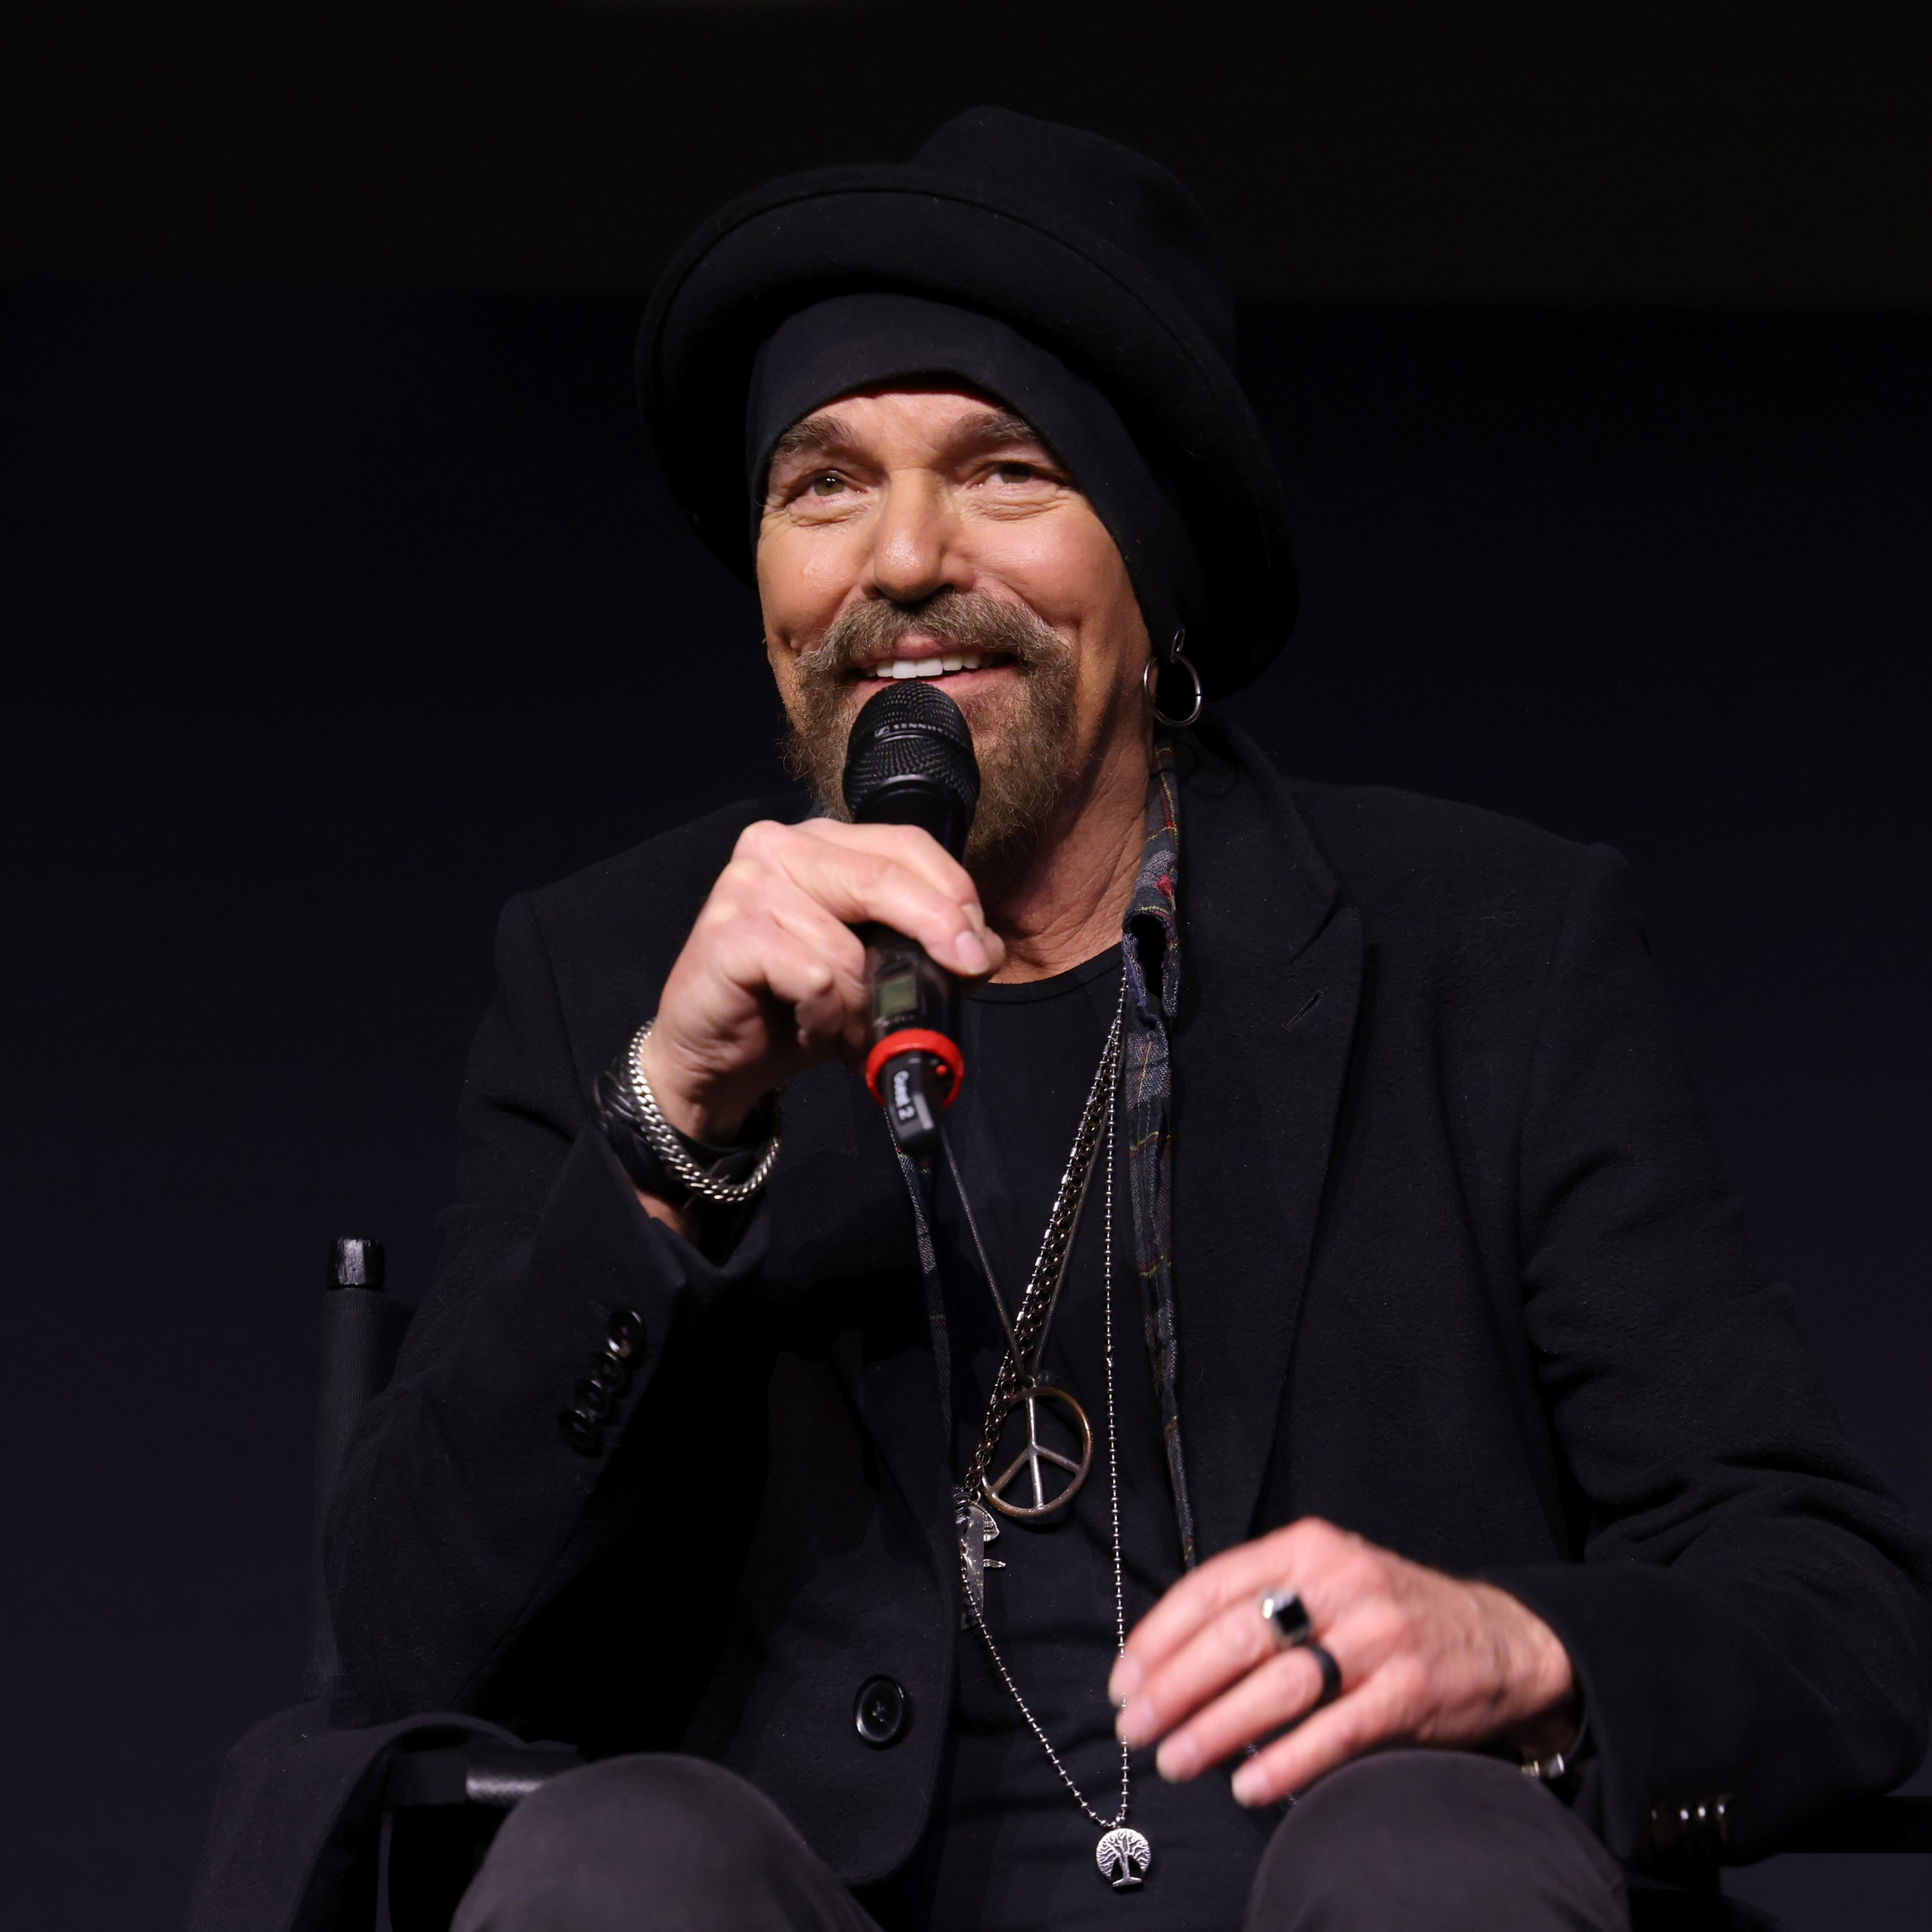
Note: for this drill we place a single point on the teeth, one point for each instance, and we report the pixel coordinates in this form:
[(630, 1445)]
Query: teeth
[(926, 667)]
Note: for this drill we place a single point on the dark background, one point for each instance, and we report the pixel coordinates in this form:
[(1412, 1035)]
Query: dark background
[(341, 602)]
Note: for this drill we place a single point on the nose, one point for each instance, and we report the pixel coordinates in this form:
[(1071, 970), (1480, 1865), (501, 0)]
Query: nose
[(916, 548)]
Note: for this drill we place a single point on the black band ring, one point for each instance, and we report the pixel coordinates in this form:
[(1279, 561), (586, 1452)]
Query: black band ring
[(1285, 1613), (1331, 1675)]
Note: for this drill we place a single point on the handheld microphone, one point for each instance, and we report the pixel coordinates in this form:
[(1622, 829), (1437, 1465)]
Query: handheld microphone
[(910, 761)]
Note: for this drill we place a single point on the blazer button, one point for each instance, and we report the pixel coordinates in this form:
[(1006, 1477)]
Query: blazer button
[(881, 1712), (609, 1377), (581, 1432), (592, 1400)]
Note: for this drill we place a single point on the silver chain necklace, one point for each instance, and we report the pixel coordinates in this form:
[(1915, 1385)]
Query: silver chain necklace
[(1122, 1854)]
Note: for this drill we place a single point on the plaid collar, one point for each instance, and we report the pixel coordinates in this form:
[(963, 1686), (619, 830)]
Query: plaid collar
[(1150, 927), (1150, 962)]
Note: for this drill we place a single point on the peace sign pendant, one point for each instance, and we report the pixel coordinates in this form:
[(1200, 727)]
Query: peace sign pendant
[(1037, 1456)]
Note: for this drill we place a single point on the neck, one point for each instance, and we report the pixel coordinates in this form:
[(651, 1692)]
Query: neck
[(1064, 906)]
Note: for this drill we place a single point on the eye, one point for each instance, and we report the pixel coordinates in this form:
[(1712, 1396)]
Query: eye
[(827, 483), (1015, 472)]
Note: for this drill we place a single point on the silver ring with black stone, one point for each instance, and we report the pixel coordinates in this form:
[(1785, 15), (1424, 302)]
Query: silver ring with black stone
[(1287, 1616)]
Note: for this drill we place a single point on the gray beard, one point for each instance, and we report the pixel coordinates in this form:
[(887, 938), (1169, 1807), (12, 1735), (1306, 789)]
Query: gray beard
[(1024, 738)]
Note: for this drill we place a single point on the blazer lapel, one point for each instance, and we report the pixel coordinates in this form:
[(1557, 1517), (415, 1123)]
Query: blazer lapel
[(1271, 978)]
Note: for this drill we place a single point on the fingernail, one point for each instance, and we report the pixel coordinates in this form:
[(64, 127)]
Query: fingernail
[(1135, 1725), (973, 955), (1124, 1682), (1247, 1786), (1178, 1760)]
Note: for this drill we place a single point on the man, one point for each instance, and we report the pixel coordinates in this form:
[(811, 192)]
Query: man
[(1323, 1379)]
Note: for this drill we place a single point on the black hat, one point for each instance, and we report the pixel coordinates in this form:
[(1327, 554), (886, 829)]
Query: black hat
[(1094, 251)]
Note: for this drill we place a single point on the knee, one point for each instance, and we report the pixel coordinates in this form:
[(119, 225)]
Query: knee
[(584, 1851), (1434, 1841)]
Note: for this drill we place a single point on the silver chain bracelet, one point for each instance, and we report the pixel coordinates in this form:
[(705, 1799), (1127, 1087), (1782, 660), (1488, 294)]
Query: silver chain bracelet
[(668, 1145)]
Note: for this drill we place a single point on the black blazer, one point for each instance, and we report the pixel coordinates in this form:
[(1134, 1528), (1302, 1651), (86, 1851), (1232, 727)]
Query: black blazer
[(1456, 1267)]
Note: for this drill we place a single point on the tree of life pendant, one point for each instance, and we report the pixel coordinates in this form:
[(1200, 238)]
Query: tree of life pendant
[(1123, 1856)]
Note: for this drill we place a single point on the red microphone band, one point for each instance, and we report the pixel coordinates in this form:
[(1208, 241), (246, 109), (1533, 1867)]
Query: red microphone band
[(916, 1039)]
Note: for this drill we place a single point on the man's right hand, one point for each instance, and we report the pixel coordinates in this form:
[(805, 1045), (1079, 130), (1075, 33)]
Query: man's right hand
[(771, 979)]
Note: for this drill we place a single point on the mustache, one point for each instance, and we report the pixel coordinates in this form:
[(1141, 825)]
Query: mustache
[(1022, 734), (962, 620)]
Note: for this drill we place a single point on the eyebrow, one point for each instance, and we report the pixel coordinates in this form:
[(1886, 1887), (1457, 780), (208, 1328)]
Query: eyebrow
[(811, 434), (814, 435), (998, 426)]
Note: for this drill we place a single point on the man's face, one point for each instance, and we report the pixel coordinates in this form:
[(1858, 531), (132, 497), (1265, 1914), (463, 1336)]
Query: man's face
[(931, 532)]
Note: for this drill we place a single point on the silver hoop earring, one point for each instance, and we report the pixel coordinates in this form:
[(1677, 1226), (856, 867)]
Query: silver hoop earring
[(1150, 684)]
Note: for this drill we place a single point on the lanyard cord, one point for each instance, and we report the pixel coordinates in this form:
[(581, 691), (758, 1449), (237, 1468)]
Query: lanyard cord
[(1028, 1331)]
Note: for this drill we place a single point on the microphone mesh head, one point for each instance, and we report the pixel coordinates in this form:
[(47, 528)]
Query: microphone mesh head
[(909, 761)]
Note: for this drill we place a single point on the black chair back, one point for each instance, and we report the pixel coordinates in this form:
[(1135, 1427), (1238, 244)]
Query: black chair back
[(362, 1329)]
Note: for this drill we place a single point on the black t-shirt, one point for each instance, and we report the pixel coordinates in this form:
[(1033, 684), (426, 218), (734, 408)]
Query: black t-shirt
[(1009, 1850)]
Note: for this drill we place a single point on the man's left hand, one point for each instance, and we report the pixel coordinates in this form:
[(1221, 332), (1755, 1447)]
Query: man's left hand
[(1425, 1659)]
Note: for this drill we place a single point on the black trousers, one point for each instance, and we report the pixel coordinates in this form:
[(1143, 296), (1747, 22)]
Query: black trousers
[(1407, 1841)]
